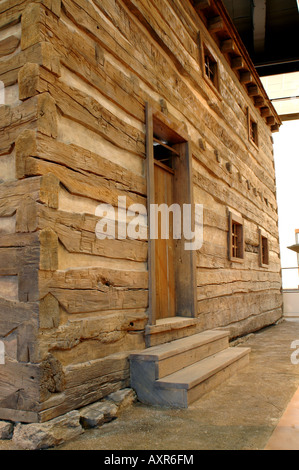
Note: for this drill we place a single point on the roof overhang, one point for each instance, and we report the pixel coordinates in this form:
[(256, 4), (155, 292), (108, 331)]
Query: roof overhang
[(269, 30), (220, 25), (294, 248)]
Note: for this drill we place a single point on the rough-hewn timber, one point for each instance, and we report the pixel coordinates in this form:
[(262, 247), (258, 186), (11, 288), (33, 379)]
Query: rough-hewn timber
[(77, 77)]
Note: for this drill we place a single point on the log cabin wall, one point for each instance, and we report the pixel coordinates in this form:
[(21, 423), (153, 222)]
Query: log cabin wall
[(77, 76)]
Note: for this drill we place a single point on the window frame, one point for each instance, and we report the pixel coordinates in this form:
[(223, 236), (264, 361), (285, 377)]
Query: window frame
[(264, 262), (238, 221), (253, 139), (211, 69), (205, 50)]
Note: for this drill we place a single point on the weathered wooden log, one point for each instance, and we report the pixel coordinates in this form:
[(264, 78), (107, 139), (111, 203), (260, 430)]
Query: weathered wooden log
[(8, 45), (73, 136)]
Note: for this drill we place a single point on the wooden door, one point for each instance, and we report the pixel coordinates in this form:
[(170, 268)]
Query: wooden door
[(164, 248), (172, 268)]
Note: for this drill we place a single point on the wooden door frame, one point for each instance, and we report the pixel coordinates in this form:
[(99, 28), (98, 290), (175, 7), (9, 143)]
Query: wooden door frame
[(186, 298)]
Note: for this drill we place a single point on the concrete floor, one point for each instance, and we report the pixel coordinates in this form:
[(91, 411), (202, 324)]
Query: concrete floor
[(240, 414)]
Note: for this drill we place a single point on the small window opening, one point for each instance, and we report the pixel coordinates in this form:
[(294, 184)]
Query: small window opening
[(211, 69), (264, 250), (236, 240), (252, 129), (164, 152), (253, 132)]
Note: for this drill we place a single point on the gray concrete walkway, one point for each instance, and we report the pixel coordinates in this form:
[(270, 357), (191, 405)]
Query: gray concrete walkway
[(240, 414)]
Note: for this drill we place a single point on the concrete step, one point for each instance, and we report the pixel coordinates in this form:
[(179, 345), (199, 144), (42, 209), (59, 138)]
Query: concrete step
[(176, 355), (177, 373), (187, 385)]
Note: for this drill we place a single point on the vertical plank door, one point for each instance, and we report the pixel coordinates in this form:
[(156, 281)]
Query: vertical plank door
[(164, 248)]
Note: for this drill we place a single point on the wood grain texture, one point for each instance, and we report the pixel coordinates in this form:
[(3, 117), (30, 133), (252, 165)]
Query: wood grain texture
[(91, 83)]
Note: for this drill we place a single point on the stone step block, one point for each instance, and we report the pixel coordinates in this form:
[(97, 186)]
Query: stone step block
[(175, 355)]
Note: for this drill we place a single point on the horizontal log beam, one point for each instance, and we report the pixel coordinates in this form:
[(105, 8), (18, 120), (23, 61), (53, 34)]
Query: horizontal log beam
[(270, 120), (253, 90), (227, 46), (275, 128), (237, 63), (259, 102), (216, 24), (8, 45), (201, 4), (265, 112), (246, 78)]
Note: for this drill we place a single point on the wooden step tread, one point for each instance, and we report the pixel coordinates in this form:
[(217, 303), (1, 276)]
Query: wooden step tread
[(194, 374), (163, 351)]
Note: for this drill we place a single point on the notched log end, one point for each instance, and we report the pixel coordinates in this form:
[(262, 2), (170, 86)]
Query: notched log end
[(49, 190), (52, 377), (49, 312), (28, 80), (25, 146), (47, 115), (48, 250)]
